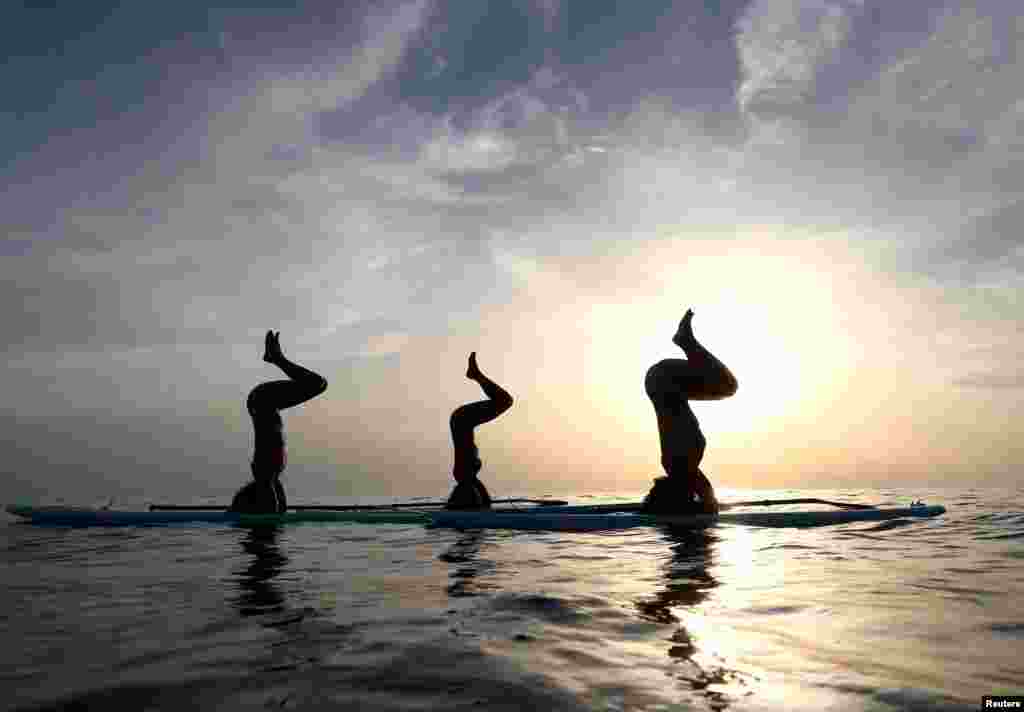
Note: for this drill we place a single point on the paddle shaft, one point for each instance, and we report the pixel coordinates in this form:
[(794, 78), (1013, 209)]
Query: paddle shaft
[(596, 509), (351, 507), (638, 506), (769, 502)]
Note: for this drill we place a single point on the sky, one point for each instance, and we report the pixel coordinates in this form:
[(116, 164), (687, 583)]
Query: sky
[(834, 186)]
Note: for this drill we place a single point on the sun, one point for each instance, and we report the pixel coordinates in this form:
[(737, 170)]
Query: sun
[(767, 367), (769, 319), (775, 320)]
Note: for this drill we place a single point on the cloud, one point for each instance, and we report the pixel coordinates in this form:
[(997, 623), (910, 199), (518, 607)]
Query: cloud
[(288, 203), (782, 44), (991, 355), (279, 109), (1012, 380), (480, 152), (900, 121), (550, 9), (939, 121), (214, 233), (990, 240)]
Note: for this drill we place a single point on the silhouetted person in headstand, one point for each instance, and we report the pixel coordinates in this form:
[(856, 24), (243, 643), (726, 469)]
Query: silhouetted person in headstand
[(670, 384), (265, 495), (470, 493)]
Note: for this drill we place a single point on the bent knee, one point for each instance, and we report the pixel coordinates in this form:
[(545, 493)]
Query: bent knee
[(726, 389)]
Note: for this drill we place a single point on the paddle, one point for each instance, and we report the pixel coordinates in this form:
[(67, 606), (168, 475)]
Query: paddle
[(594, 509), (769, 502), (351, 507), (638, 506)]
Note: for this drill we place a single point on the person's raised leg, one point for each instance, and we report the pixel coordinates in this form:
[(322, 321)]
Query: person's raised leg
[(302, 385), (466, 417), (499, 398), (707, 378)]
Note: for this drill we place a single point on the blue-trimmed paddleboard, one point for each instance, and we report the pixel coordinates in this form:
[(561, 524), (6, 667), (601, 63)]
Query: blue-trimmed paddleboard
[(80, 516), (568, 521), (569, 518)]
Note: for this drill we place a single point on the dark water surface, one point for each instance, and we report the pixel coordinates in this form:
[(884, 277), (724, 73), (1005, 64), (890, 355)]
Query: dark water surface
[(908, 614)]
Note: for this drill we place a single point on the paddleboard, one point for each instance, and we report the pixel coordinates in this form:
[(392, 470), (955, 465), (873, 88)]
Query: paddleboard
[(570, 518), (569, 521), (82, 516)]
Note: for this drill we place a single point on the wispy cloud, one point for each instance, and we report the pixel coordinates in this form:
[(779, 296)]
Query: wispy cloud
[(782, 45), (1013, 380)]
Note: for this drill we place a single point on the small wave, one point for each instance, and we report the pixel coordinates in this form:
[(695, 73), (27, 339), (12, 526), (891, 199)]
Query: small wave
[(1006, 520), (1003, 537), (940, 585), (425, 676), (904, 699), (1010, 630), (548, 608), (583, 557), (892, 524), (916, 700), (774, 610), (974, 571)]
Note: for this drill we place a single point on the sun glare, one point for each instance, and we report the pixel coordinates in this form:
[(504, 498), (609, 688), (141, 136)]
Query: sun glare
[(770, 319)]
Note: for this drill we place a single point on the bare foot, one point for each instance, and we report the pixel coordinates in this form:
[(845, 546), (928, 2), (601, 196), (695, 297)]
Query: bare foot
[(684, 334), (272, 347), (473, 372)]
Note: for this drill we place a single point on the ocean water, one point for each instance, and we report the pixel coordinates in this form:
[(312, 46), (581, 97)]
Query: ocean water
[(900, 615)]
